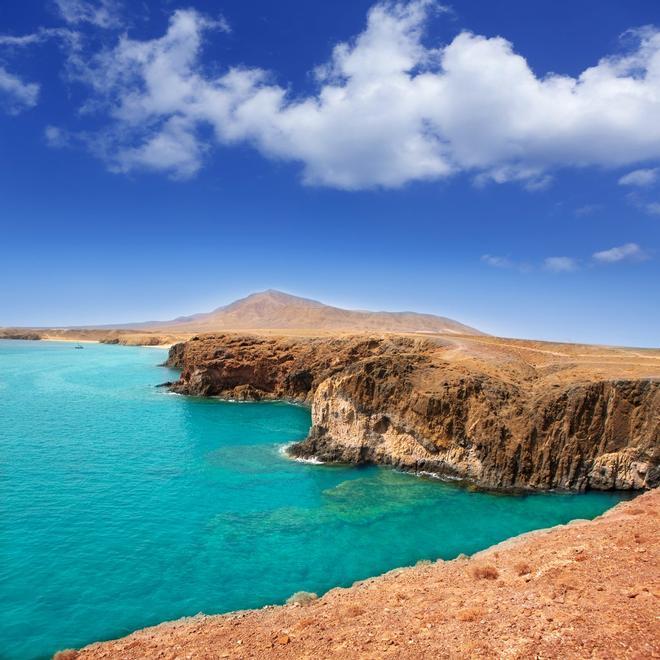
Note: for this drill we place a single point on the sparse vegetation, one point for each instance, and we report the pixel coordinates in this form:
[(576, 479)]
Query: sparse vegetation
[(485, 573), (301, 598), (354, 610), (66, 654), (470, 614), (522, 568)]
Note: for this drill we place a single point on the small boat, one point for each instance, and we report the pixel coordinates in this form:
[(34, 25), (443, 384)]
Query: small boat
[(79, 346)]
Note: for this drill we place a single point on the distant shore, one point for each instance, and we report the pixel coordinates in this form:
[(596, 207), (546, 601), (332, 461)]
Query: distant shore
[(92, 336), (70, 341), (98, 341)]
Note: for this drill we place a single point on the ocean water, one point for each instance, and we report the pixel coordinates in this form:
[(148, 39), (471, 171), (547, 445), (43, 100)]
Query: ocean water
[(122, 505)]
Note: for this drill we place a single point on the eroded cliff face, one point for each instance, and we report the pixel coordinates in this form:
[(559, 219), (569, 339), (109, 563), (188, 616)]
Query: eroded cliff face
[(466, 409)]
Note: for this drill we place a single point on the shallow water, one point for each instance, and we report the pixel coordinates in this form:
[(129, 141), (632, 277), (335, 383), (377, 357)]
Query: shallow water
[(122, 505)]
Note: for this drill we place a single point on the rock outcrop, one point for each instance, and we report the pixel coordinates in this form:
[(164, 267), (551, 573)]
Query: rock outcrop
[(499, 413)]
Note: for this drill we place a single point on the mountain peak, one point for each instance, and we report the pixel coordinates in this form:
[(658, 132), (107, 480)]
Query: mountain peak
[(273, 297), (272, 294), (276, 310)]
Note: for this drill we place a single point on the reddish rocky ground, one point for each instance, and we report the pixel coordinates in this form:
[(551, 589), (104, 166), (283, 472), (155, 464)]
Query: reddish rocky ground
[(585, 590)]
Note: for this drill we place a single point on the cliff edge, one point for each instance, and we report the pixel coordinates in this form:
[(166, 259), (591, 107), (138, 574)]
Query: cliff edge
[(499, 413)]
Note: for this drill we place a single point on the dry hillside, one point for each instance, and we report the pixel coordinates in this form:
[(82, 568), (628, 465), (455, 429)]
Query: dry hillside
[(274, 310)]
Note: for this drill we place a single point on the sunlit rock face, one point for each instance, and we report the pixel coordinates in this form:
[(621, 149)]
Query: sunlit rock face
[(499, 413)]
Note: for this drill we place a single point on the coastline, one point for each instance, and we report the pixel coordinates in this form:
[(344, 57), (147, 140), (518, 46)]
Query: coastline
[(70, 340), (479, 410), (123, 336), (297, 376), (99, 341), (547, 592)]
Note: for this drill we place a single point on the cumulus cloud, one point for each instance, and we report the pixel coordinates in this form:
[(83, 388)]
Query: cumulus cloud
[(560, 264), (640, 178), (102, 13), (387, 109), (627, 252), (172, 147), (16, 95)]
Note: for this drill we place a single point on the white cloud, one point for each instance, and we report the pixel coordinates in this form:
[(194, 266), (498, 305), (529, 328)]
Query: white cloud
[(22, 40), (506, 263), (560, 264), (102, 13), (627, 252), (387, 110), (55, 136), (16, 95), (42, 34), (533, 179), (641, 178), (496, 262), (643, 203), (173, 147), (587, 209)]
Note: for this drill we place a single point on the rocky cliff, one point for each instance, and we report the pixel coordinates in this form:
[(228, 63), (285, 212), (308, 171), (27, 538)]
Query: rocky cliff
[(498, 413)]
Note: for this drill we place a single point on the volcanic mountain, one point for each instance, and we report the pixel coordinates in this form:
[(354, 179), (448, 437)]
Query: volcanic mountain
[(274, 310)]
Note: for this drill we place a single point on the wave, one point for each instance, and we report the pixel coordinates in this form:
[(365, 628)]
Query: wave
[(312, 460)]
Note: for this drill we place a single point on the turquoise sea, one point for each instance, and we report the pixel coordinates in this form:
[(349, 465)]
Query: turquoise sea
[(122, 505)]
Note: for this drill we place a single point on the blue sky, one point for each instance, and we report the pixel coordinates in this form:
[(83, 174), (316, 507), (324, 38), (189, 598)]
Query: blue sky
[(493, 162)]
